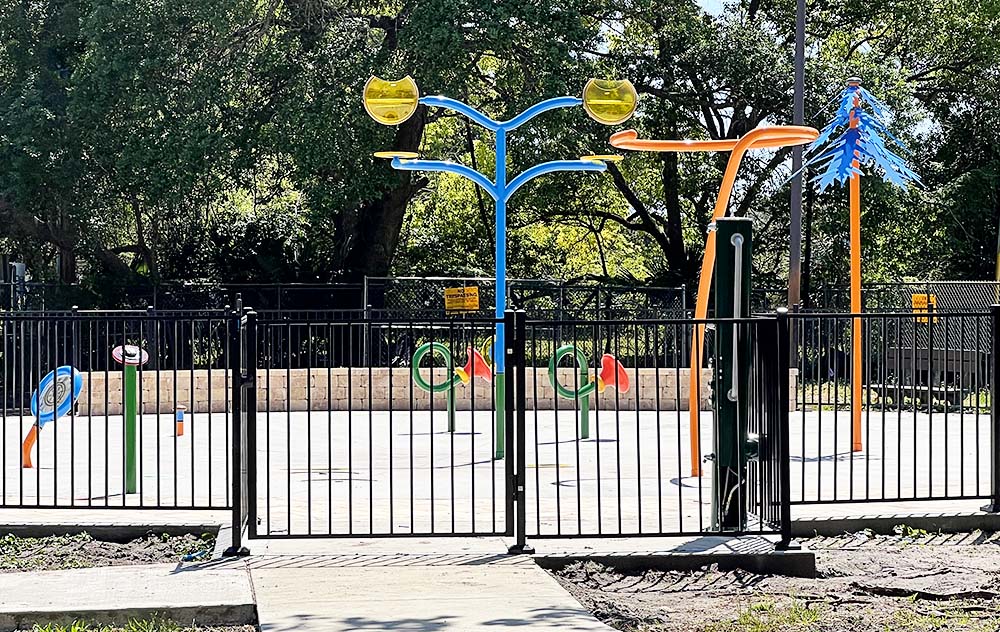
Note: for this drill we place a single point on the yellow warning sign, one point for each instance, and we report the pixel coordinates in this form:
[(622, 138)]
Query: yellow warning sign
[(461, 299), (922, 304)]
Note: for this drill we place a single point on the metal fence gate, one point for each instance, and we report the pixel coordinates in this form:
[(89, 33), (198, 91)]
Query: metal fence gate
[(345, 442), (609, 438)]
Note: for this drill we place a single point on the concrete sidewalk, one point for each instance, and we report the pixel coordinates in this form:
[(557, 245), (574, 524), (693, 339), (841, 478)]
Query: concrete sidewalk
[(461, 584), (467, 598), (465, 584), (205, 594)]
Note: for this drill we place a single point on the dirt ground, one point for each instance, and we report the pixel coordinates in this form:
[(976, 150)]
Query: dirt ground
[(82, 551), (912, 582)]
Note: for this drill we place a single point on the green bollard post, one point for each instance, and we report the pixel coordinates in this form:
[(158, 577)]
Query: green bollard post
[(500, 395), (581, 395), (584, 404), (732, 300), (131, 404)]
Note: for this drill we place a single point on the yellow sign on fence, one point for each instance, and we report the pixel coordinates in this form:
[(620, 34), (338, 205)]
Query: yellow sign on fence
[(922, 304), (461, 299)]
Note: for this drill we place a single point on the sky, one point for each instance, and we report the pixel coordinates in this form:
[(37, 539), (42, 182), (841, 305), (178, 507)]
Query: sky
[(711, 6)]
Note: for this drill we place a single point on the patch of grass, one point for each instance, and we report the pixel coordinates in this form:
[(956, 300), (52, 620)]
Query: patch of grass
[(155, 624), (949, 620), (769, 616), (906, 531)]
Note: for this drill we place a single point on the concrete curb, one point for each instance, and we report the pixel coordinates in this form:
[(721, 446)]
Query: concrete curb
[(796, 563), (884, 524), (209, 594), (217, 615)]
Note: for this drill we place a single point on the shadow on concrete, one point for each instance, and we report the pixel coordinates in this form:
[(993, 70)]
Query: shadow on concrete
[(722, 544), (574, 440), (554, 618), (321, 622), (838, 456), (384, 561)]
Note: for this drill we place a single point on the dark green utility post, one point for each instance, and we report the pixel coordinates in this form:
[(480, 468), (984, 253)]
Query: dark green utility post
[(732, 300)]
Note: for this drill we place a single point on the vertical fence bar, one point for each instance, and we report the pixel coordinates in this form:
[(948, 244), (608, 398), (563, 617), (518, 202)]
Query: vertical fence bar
[(240, 497), (517, 454), (512, 503), (247, 396), (994, 504), (784, 452)]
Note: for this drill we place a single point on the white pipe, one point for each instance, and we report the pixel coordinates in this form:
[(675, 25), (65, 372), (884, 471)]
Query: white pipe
[(737, 241)]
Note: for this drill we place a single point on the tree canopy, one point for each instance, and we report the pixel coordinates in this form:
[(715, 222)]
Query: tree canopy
[(226, 140)]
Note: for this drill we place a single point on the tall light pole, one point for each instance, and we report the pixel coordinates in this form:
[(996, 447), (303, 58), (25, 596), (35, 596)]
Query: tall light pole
[(798, 118)]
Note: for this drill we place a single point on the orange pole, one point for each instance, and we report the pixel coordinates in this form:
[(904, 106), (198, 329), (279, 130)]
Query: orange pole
[(856, 307), (29, 443), (759, 138), (701, 310)]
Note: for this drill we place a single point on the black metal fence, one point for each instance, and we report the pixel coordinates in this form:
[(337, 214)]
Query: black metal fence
[(916, 425), (942, 296), (423, 297), (349, 444), (120, 445), (359, 424), (611, 447), (285, 298)]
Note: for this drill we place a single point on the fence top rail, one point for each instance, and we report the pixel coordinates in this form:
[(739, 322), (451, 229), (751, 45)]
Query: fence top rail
[(538, 323), (14, 317), (403, 323), (585, 284), (937, 313)]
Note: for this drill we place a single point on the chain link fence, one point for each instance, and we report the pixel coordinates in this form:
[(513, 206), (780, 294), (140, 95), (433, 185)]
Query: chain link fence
[(424, 297), (941, 296)]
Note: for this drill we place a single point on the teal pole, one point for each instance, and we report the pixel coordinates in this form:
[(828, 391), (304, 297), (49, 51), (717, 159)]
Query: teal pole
[(732, 300)]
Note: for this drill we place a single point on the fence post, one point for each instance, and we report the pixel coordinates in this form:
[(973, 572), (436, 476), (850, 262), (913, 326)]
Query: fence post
[(517, 369), (240, 497), (248, 396), (994, 504), (784, 451), (510, 464)]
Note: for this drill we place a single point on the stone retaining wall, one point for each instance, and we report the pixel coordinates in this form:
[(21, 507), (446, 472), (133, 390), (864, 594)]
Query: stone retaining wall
[(343, 389)]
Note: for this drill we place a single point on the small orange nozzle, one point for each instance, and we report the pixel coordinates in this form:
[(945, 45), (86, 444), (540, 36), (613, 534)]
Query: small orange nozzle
[(612, 374), (29, 443), (476, 366)]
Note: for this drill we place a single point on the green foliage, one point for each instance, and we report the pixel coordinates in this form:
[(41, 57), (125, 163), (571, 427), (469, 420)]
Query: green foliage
[(225, 140)]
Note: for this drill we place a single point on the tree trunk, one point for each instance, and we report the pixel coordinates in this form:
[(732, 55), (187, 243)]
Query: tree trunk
[(675, 253), (368, 236), (67, 257)]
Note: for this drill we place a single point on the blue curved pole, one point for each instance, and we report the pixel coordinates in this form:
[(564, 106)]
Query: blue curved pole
[(500, 191), (465, 109), (553, 166), (540, 108), (448, 167)]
